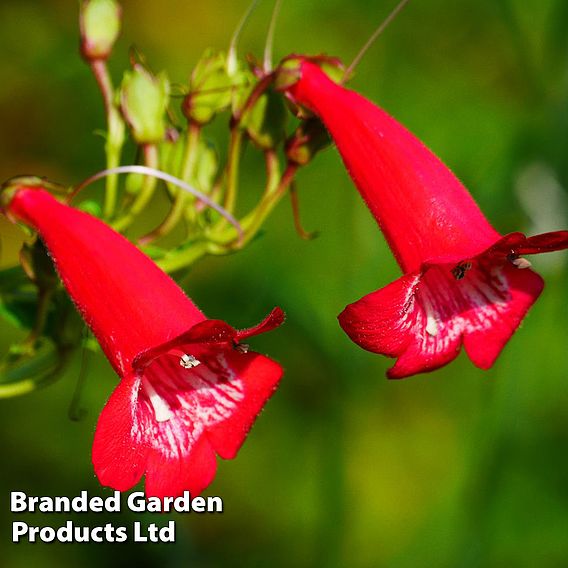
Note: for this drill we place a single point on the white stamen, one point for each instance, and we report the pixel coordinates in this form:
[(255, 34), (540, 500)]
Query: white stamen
[(189, 361), (161, 409), (431, 325), (521, 263), (431, 321), (242, 347)]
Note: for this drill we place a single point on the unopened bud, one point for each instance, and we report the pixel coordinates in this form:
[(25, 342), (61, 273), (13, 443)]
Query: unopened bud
[(100, 27), (210, 89), (144, 101)]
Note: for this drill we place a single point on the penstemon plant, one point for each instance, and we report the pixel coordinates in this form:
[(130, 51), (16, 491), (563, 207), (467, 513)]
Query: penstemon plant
[(189, 388)]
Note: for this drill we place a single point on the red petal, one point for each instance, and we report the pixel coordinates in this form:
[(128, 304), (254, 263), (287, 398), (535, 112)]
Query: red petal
[(547, 242), (119, 455), (174, 467), (260, 376), (207, 332), (379, 322), (274, 319), (484, 345), (202, 410), (422, 320), (518, 244)]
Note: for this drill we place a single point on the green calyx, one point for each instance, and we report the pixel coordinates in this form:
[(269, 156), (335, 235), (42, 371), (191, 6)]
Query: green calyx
[(289, 71), (9, 188)]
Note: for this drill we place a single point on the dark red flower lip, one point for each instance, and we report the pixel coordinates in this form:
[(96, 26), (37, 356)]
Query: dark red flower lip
[(509, 247), (212, 333)]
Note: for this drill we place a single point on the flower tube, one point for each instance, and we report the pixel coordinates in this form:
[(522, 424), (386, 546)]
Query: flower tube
[(463, 282), (189, 388)]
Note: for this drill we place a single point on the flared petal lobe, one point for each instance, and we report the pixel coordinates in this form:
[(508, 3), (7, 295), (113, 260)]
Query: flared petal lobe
[(179, 417), (423, 319)]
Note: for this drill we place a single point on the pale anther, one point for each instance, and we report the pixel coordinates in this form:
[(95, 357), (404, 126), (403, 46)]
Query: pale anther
[(188, 361), (521, 263)]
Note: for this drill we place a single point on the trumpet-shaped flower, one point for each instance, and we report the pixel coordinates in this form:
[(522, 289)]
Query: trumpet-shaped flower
[(189, 388), (463, 282)]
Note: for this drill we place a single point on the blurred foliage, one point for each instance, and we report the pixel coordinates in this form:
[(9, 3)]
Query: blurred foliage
[(344, 468)]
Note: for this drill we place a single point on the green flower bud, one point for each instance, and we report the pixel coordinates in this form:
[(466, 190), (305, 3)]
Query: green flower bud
[(144, 100), (210, 88), (100, 27), (244, 86)]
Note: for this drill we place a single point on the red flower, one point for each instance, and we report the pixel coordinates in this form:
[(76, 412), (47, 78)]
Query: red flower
[(462, 281), (188, 388)]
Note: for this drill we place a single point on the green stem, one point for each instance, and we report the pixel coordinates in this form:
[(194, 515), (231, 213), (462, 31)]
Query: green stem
[(151, 160), (225, 242), (16, 382), (115, 134), (295, 202), (181, 197), (44, 299), (276, 187), (233, 170), (253, 221), (184, 258)]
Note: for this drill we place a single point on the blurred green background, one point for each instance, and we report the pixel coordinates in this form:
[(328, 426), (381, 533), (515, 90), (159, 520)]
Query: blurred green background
[(456, 468)]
